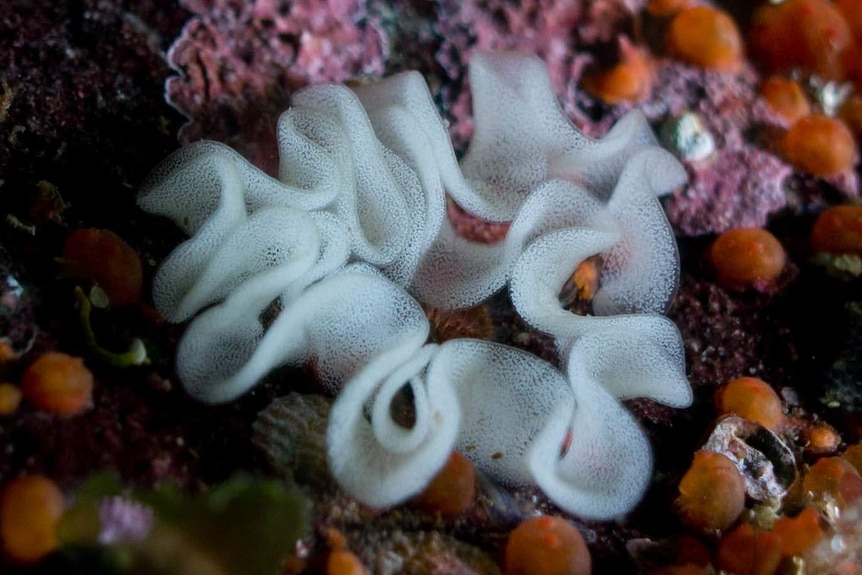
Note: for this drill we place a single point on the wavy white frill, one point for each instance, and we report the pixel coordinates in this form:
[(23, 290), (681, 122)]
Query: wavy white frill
[(509, 411), (527, 163), (354, 229)]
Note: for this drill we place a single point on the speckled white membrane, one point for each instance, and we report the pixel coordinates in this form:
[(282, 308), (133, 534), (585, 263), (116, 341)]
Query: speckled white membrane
[(353, 232)]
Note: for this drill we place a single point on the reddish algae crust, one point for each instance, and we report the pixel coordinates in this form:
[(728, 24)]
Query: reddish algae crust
[(83, 119)]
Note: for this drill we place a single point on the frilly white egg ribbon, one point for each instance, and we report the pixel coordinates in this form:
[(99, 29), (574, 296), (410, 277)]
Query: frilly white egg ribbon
[(355, 223)]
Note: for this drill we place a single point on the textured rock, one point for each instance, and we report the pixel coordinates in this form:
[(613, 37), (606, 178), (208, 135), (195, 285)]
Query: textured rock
[(239, 62)]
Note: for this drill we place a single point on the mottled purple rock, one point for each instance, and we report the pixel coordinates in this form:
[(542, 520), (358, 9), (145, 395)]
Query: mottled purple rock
[(743, 183), (736, 188), (240, 62)]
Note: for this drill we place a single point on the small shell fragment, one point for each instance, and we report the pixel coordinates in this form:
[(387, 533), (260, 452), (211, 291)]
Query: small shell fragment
[(688, 137), (765, 461)]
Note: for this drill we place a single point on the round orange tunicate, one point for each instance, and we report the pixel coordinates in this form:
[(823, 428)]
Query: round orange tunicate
[(706, 37), (834, 479), (10, 397), (820, 438), (747, 551), (343, 562), (747, 257), (808, 34), (547, 545), (820, 146), (58, 383), (838, 230), (452, 490), (630, 80), (30, 508), (711, 493), (786, 98), (104, 258), (751, 398), (586, 277), (801, 533)]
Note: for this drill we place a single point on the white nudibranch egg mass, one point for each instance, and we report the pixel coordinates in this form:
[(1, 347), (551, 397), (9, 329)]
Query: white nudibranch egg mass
[(353, 235)]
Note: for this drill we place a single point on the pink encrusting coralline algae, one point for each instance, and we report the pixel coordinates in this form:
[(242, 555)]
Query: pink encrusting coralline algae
[(240, 62), (741, 183)]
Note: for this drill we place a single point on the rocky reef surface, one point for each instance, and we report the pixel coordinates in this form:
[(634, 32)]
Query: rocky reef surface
[(94, 93)]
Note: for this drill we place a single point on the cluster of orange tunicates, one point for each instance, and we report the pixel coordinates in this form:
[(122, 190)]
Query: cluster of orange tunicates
[(55, 383), (544, 544), (815, 40), (31, 505), (816, 525), (30, 509), (59, 384), (753, 258), (700, 35)]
